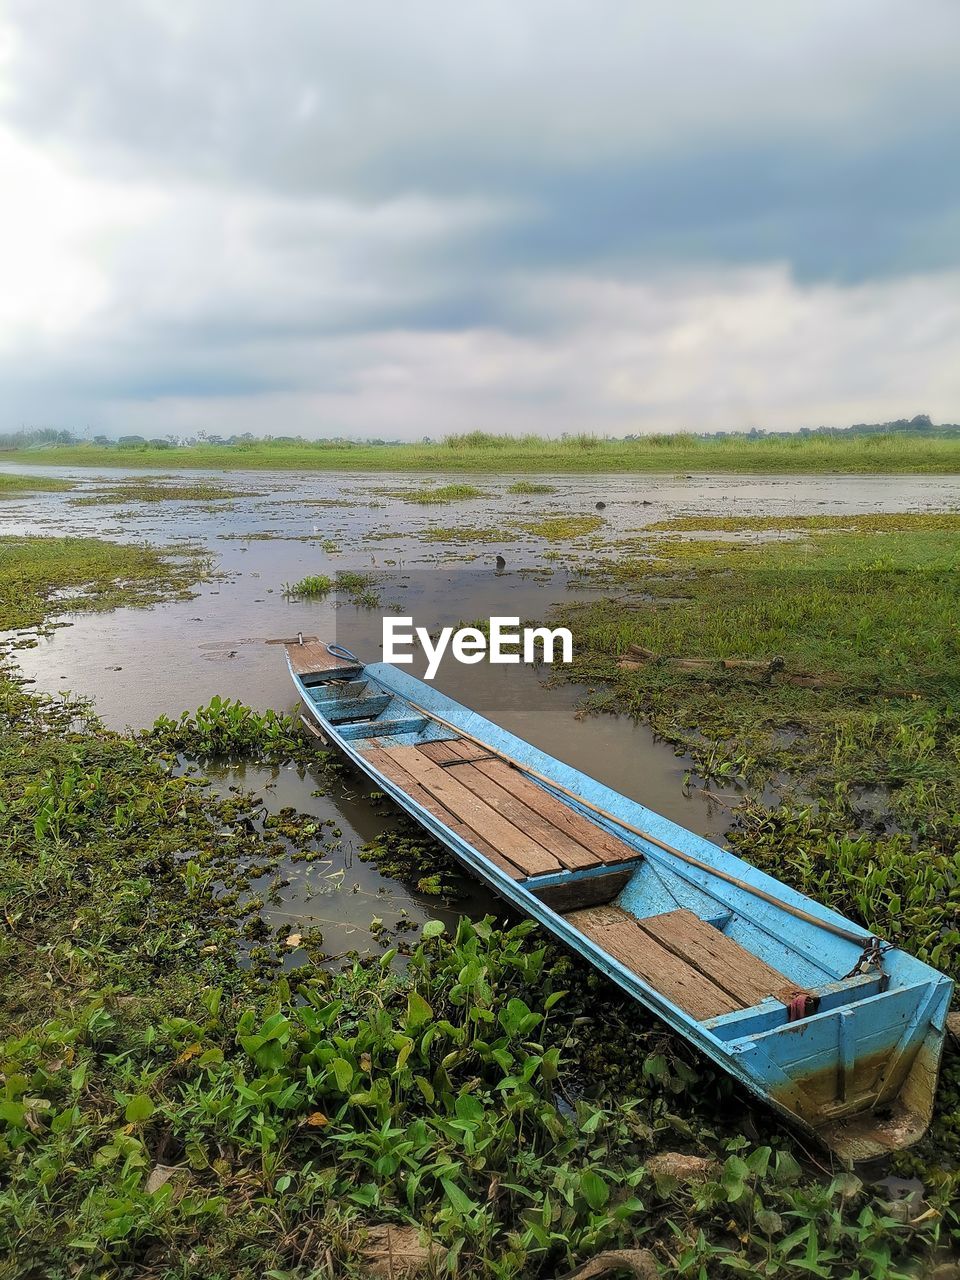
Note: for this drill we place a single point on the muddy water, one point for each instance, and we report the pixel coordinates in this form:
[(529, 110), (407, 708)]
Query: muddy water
[(140, 663)]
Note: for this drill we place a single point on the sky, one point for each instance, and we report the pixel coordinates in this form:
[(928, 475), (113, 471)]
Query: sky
[(395, 220)]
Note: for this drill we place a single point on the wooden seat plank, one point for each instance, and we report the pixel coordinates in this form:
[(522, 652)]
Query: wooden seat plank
[(571, 854), (313, 658), (515, 845), (608, 848), (393, 770), (619, 934), (740, 973)]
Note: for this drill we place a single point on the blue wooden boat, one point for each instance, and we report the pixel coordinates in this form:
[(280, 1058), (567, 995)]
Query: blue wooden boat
[(837, 1031)]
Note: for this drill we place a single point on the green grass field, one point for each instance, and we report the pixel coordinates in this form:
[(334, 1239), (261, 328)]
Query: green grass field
[(479, 452)]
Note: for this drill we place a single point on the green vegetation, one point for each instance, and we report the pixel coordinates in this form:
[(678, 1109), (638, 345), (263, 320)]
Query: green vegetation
[(482, 452), (563, 528), (12, 486), (359, 588), (465, 534), (226, 728), (893, 522), (865, 625), (173, 1103), (41, 577), (427, 495), (149, 491), (315, 587), (526, 486), (560, 528)]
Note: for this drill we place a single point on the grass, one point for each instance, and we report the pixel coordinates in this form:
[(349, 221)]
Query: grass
[(146, 491), (13, 485), (527, 486), (315, 587), (45, 577), (872, 614), (427, 495), (359, 588), (480, 452), (560, 528)]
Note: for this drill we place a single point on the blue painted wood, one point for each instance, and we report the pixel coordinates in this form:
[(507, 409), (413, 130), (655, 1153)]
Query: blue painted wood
[(813, 1070)]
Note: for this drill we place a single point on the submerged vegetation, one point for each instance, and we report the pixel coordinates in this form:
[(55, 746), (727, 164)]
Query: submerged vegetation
[(552, 528), (481, 451), (42, 578)]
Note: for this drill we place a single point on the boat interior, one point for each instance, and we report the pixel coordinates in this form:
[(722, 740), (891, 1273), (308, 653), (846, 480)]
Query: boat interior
[(705, 947)]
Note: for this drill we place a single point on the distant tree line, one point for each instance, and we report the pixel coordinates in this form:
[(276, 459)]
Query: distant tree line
[(48, 437)]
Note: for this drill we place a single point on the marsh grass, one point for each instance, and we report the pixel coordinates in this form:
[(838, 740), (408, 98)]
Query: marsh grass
[(14, 485), (526, 486), (44, 577), (359, 588), (427, 495), (315, 587), (147, 491), (871, 612), (555, 528), (674, 454)]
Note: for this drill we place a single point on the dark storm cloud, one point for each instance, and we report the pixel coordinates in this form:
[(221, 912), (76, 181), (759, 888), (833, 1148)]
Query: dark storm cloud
[(328, 187)]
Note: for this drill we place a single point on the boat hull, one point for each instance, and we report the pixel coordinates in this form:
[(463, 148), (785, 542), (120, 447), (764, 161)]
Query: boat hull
[(860, 1073)]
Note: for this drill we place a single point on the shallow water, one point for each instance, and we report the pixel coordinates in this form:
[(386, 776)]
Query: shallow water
[(139, 663)]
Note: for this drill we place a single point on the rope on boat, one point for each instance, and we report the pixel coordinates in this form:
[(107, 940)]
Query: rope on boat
[(338, 651)]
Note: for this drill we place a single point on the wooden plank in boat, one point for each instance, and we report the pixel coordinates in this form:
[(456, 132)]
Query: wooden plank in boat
[(396, 773), (608, 848), (740, 973), (313, 658), (571, 854), (583, 891), (619, 934), (513, 844)]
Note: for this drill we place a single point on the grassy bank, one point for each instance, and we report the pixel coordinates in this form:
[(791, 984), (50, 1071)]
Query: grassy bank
[(45, 578), (479, 452)]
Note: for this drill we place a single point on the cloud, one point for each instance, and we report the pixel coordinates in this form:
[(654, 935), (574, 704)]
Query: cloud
[(388, 219)]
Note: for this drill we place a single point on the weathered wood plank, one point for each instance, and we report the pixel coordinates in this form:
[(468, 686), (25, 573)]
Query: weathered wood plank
[(515, 845), (570, 853), (740, 973), (606, 847), (583, 891), (314, 658), (619, 934), (395, 771), (445, 750)]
